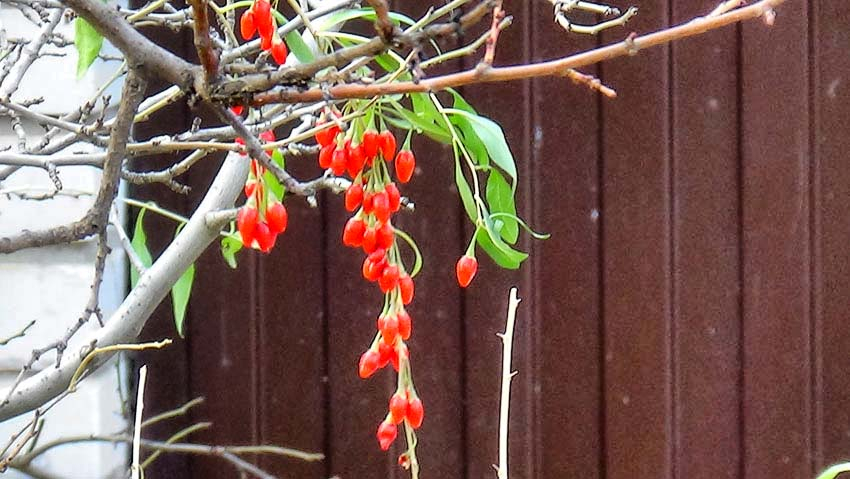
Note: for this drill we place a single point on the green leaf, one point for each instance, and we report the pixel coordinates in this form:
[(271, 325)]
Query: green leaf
[(270, 179), (387, 62), (88, 43), (425, 108), (140, 246), (180, 293), (340, 16), (180, 297), (298, 48), (493, 137), (465, 191), (229, 247), (534, 234), (506, 257), (430, 129), (500, 199)]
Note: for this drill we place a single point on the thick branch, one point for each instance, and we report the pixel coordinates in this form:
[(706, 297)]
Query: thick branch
[(559, 67), (265, 81), (203, 42), (139, 50)]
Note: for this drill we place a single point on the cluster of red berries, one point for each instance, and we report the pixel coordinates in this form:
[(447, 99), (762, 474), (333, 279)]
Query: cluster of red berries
[(263, 217), (373, 198), (259, 19)]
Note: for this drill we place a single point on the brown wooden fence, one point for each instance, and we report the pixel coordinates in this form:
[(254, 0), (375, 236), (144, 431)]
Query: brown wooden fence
[(687, 319)]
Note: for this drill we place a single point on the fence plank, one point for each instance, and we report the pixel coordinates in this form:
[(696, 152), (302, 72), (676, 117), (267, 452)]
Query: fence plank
[(486, 299), (777, 409), (706, 281), (291, 338), (566, 291), (831, 255), (223, 342), (636, 242)]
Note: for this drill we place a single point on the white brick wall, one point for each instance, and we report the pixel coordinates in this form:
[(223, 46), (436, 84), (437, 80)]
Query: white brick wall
[(51, 285)]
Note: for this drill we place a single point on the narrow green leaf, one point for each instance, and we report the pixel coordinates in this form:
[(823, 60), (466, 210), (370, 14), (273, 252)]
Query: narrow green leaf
[(340, 16), (471, 141), (493, 137), (180, 298), (465, 191), (272, 185), (534, 234), (500, 199), (88, 43), (430, 129), (140, 246), (509, 259), (229, 247), (180, 293), (298, 48), (425, 109)]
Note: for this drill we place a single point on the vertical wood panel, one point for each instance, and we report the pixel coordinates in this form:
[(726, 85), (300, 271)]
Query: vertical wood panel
[(831, 202), (564, 170), (222, 335), (291, 363), (487, 298), (706, 287), (775, 129), (636, 242)]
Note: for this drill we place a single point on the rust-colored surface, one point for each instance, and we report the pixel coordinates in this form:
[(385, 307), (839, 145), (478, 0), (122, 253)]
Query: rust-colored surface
[(688, 319)]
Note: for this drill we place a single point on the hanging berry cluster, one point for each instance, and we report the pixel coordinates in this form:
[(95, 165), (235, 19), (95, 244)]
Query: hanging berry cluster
[(263, 216), (373, 197), (259, 19)]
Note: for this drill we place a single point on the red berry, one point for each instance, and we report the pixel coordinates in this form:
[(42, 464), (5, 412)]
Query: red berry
[(356, 160), (267, 136), (405, 325), (393, 196), (250, 187), (381, 206), (387, 353), (384, 236), (368, 203), (263, 18), (277, 217), (398, 407), (388, 326), (389, 279), (415, 413), (370, 143), (405, 284), (246, 223), (373, 266), (326, 156), (405, 163), (265, 237), (338, 161), (353, 233), (265, 42), (370, 240), (465, 269), (237, 109), (369, 363), (257, 169), (327, 136), (279, 51), (353, 196), (247, 27), (387, 433), (387, 145)]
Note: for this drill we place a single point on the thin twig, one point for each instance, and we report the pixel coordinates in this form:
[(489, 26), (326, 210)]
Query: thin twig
[(559, 67), (19, 334), (135, 469), (507, 374)]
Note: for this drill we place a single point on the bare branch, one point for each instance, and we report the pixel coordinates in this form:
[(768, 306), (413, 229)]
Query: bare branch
[(95, 220), (559, 67)]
